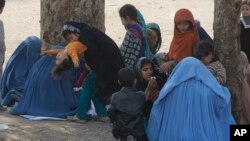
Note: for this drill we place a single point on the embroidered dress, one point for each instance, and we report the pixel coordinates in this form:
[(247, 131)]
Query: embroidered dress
[(135, 44), (218, 70), (131, 48)]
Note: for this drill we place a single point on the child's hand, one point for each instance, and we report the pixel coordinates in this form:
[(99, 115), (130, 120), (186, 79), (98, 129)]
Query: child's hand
[(76, 64), (87, 66), (152, 92), (77, 89), (43, 53)]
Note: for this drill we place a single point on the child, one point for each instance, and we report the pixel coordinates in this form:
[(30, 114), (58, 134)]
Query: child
[(100, 53), (153, 36), (127, 109), (2, 43), (68, 57), (89, 89), (204, 52), (90, 92), (185, 38), (134, 44), (245, 28)]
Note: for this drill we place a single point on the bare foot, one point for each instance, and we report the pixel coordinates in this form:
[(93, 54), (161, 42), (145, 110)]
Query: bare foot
[(102, 119), (76, 119)]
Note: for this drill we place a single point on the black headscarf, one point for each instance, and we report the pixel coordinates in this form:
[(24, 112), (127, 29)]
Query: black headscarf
[(103, 56)]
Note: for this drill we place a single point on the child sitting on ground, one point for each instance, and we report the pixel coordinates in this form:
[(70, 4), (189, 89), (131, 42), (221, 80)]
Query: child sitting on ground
[(185, 38), (205, 52), (127, 109)]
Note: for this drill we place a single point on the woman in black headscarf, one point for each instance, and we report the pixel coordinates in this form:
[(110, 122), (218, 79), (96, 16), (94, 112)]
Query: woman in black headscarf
[(102, 55)]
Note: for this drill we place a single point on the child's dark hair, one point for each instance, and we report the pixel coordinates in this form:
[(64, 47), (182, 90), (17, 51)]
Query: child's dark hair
[(126, 77), (2, 4), (59, 69), (128, 10), (202, 49)]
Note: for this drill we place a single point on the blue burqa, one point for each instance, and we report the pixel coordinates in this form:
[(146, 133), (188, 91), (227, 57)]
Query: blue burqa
[(192, 106), (18, 67), (45, 96)]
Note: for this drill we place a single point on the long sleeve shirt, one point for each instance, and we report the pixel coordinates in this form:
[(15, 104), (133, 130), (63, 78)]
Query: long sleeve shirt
[(73, 49)]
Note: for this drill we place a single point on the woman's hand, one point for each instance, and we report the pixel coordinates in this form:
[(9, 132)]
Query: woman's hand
[(152, 92), (166, 67)]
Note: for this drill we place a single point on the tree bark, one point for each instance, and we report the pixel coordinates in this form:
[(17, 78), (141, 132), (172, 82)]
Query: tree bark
[(55, 12), (227, 47)]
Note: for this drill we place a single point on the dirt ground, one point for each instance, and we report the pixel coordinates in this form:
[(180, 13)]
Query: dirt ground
[(21, 19)]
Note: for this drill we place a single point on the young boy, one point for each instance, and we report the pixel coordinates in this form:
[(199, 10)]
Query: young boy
[(127, 109), (204, 51)]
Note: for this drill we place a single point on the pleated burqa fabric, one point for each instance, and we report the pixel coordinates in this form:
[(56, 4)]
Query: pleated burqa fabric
[(18, 67), (45, 96), (192, 106)]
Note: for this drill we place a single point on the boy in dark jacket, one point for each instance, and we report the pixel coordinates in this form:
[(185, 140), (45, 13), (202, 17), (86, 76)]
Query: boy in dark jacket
[(127, 109)]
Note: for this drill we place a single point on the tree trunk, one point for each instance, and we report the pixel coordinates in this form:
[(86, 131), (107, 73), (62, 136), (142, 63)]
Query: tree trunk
[(55, 12), (227, 47)]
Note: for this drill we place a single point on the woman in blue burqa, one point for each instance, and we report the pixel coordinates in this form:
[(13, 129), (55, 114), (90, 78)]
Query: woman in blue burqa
[(192, 106), (18, 67), (45, 96)]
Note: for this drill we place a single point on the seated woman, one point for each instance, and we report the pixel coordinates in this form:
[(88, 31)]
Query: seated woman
[(45, 96), (18, 67), (149, 80), (192, 105), (145, 71)]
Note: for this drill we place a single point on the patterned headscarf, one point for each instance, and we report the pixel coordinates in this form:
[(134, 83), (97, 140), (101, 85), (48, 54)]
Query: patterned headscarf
[(141, 21), (73, 27)]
